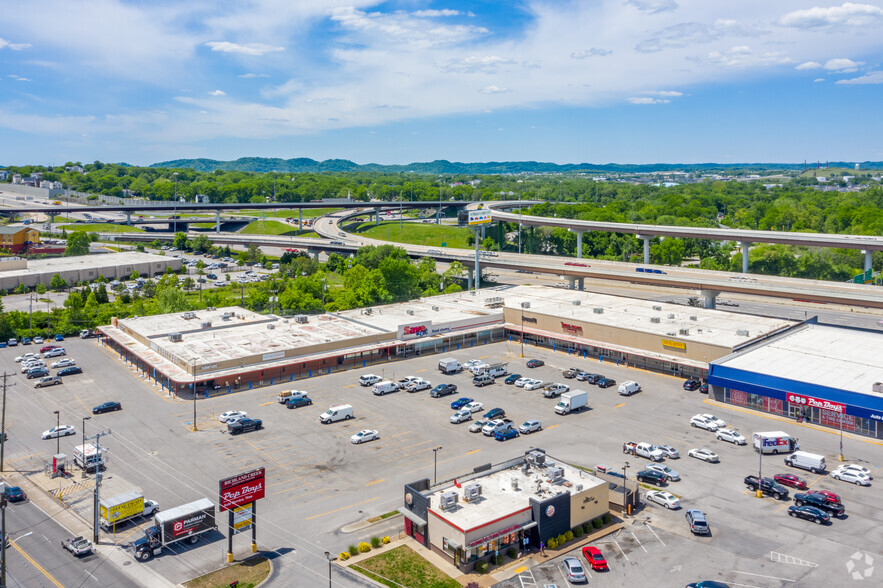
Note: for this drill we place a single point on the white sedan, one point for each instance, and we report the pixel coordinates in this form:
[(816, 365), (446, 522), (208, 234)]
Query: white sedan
[(534, 385), (55, 352), (704, 454), (59, 431), (520, 382), (666, 499), (461, 416), (721, 423), (364, 435), (703, 423), (25, 357), (63, 363), (474, 406), (851, 476), (231, 416), (853, 467), (731, 435)]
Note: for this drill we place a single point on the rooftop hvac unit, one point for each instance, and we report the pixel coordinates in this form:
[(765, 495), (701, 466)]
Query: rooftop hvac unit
[(515, 483), (598, 310), (579, 487), (411, 312), (206, 324), (435, 308), (301, 319), (693, 317), (226, 316), (655, 319), (742, 333), (671, 333), (270, 327), (175, 337), (877, 387), (537, 457), (657, 308), (671, 316), (494, 301), (448, 500), (525, 305), (556, 474), (472, 492), (576, 302), (684, 332), (189, 315)]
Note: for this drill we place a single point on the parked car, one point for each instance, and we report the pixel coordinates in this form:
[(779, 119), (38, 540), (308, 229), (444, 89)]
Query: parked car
[(595, 558), (478, 425), (244, 425), (606, 382), (506, 434), (59, 337), (573, 570), (670, 474), (697, 522), (443, 390), (46, 348), (364, 436), (39, 372), (12, 342), (38, 340), (512, 378), (534, 385), (854, 467), (26, 357), (63, 363), (570, 373), (69, 371), (666, 499), (461, 416), (853, 476), (701, 422), (520, 382), (58, 351), (232, 416), (791, 480), (692, 384), (26, 341), (494, 413), (669, 451), (369, 380), (590, 378), (829, 496), (460, 403), (535, 363), (809, 513), (299, 401), (109, 406), (48, 381), (474, 406), (731, 435), (528, 427), (59, 431), (652, 477), (705, 455), (767, 486), (820, 501), (417, 385)]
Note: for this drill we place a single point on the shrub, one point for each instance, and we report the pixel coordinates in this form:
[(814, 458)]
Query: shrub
[(385, 540), (561, 539), (375, 542), (498, 559), (512, 553), (344, 555), (568, 536), (353, 550), (597, 523), (587, 527), (606, 518), (364, 547), (552, 543), (481, 567), (577, 532)]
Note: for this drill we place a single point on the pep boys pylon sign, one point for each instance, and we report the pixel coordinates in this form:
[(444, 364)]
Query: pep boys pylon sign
[(242, 489)]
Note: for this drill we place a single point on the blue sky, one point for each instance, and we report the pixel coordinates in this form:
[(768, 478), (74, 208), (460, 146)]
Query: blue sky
[(625, 81)]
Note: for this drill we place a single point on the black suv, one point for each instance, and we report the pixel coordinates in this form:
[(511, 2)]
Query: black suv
[(606, 382), (692, 385), (443, 390), (767, 486), (820, 501), (652, 477), (245, 425)]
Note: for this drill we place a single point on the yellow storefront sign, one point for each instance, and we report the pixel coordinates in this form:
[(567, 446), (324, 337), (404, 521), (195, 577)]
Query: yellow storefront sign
[(674, 344)]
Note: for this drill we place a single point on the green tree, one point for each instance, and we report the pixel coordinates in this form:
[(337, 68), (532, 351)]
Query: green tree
[(669, 251), (180, 240), (74, 301), (77, 243), (57, 283), (171, 299), (201, 244), (188, 284), (253, 254), (134, 275), (41, 288), (101, 294)]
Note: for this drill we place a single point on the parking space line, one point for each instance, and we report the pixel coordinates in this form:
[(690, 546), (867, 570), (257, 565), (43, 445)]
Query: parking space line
[(615, 542), (316, 516), (418, 371), (553, 426), (473, 451), (654, 534), (268, 403), (619, 405), (762, 576), (371, 483), (639, 542), (350, 386), (400, 434)]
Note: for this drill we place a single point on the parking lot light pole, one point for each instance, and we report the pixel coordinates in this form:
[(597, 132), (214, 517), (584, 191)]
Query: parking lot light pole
[(523, 304), (84, 444), (759, 490), (841, 436), (435, 464), (57, 438), (625, 482), (330, 559)]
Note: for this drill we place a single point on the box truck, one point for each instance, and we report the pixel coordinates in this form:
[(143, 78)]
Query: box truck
[(775, 442), (187, 521), (571, 401), (123, 507), (449, 365), (88, 457)]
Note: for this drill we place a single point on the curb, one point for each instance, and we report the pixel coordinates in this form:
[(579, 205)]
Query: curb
[(359, 525)]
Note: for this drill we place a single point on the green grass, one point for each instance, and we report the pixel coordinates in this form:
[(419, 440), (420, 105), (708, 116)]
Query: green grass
[(287, 212), (250, 572), (404, 566), (416, 234), (274, 228), (837, 171), (101, 228)]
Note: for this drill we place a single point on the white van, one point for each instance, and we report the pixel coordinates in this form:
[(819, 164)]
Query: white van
[(629, 388), (385, 387), (496, 371), (336, 413), (807, 461)]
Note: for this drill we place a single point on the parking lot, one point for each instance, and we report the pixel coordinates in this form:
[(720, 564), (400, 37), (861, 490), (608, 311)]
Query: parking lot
[(318, 482)]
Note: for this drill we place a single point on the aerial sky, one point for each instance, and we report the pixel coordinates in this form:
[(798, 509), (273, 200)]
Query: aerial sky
[(564, 81)]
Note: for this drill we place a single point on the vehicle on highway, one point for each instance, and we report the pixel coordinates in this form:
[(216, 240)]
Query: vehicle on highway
[(14, 494), (63, 363), (535, 363), (461, 416), (534, 385), (852, 476), (477, 426), (460, 403), (708, 584), (809, 513), (704, 454), (505, 434), (697, 522), (767, 486), (369, 380), (669, 451), (606, 382), (512, 378), (474, 406), (59, 431), (244, 425), (69, 371), (701, 422), (731, 435), (494, 413), (595, 558), (57, 352), (573, 570), (48, 381), (109, 406), (652, 477), (530, 426), (570, 373), (443, 390), (670, 474), (78, 546), (298, 401), (663, 498), (820, 501), (364, 436), (791, 480), (692, 384)]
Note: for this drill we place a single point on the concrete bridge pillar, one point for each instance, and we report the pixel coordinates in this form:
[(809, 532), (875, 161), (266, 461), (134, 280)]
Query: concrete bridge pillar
[(579, 245), (868, 259), (582, 283), (300, 219), (469, 280), (646, 240), (129, 218), (745, 246), (376, 217), (710, 298), (218, 221), (572, 280)]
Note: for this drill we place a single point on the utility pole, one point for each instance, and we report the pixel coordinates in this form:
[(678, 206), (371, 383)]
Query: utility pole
[(96, 513), (3, 432), (3, 535)]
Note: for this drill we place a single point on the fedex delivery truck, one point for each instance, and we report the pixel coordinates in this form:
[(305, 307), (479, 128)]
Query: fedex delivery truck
[(775, 442)]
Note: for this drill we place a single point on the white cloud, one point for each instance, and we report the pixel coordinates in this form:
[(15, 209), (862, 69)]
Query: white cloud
[(400, 28), (249, 76), (744, 57), (819, 80), (686, 34), (644, 100), (664, 93), (19, 78), (13, 46), (473, 63), (436, 13), (494, 90), (593, 52), (653, 6), (217, 93), (247, 49), (847, 15), (874, 77), (842, 65), (808, 65)]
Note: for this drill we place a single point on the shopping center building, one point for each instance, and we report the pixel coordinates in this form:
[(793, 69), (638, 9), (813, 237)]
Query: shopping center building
[(495, 507), (82, 268)]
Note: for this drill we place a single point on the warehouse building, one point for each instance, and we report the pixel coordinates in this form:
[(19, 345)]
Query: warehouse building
[(496, 507), (830, 376), (82, 268)]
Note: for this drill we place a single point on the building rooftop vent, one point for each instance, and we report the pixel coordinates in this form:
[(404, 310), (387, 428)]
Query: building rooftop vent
[(175, 337), (409, 311), (206, 324), (270, 327), (435, 308), (301, 319), (877, 387), (742, 333), (576, 302), (684, 332), (598, 310), (655, 319), (556, 474), (671, 316), (693, 317), (657, 308)]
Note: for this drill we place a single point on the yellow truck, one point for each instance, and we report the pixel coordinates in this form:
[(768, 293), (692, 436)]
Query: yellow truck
[(123, 507)]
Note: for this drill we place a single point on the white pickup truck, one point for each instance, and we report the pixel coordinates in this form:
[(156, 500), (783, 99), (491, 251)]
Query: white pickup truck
[(647, 450)]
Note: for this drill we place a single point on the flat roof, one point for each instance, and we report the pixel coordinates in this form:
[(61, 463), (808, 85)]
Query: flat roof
[(835, 357), (710, 326), (81, 262), (498, 497)]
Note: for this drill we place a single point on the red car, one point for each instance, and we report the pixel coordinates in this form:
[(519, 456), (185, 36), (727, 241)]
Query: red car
[(829, 495), (791, 480), (47, 348), (594, 557), (576, 264)]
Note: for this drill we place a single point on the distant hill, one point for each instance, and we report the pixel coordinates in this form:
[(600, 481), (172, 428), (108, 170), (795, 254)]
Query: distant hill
[(306, 165)]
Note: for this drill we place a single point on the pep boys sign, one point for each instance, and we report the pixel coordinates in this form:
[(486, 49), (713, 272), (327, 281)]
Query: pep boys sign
[(800, 400), (241, 489)]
